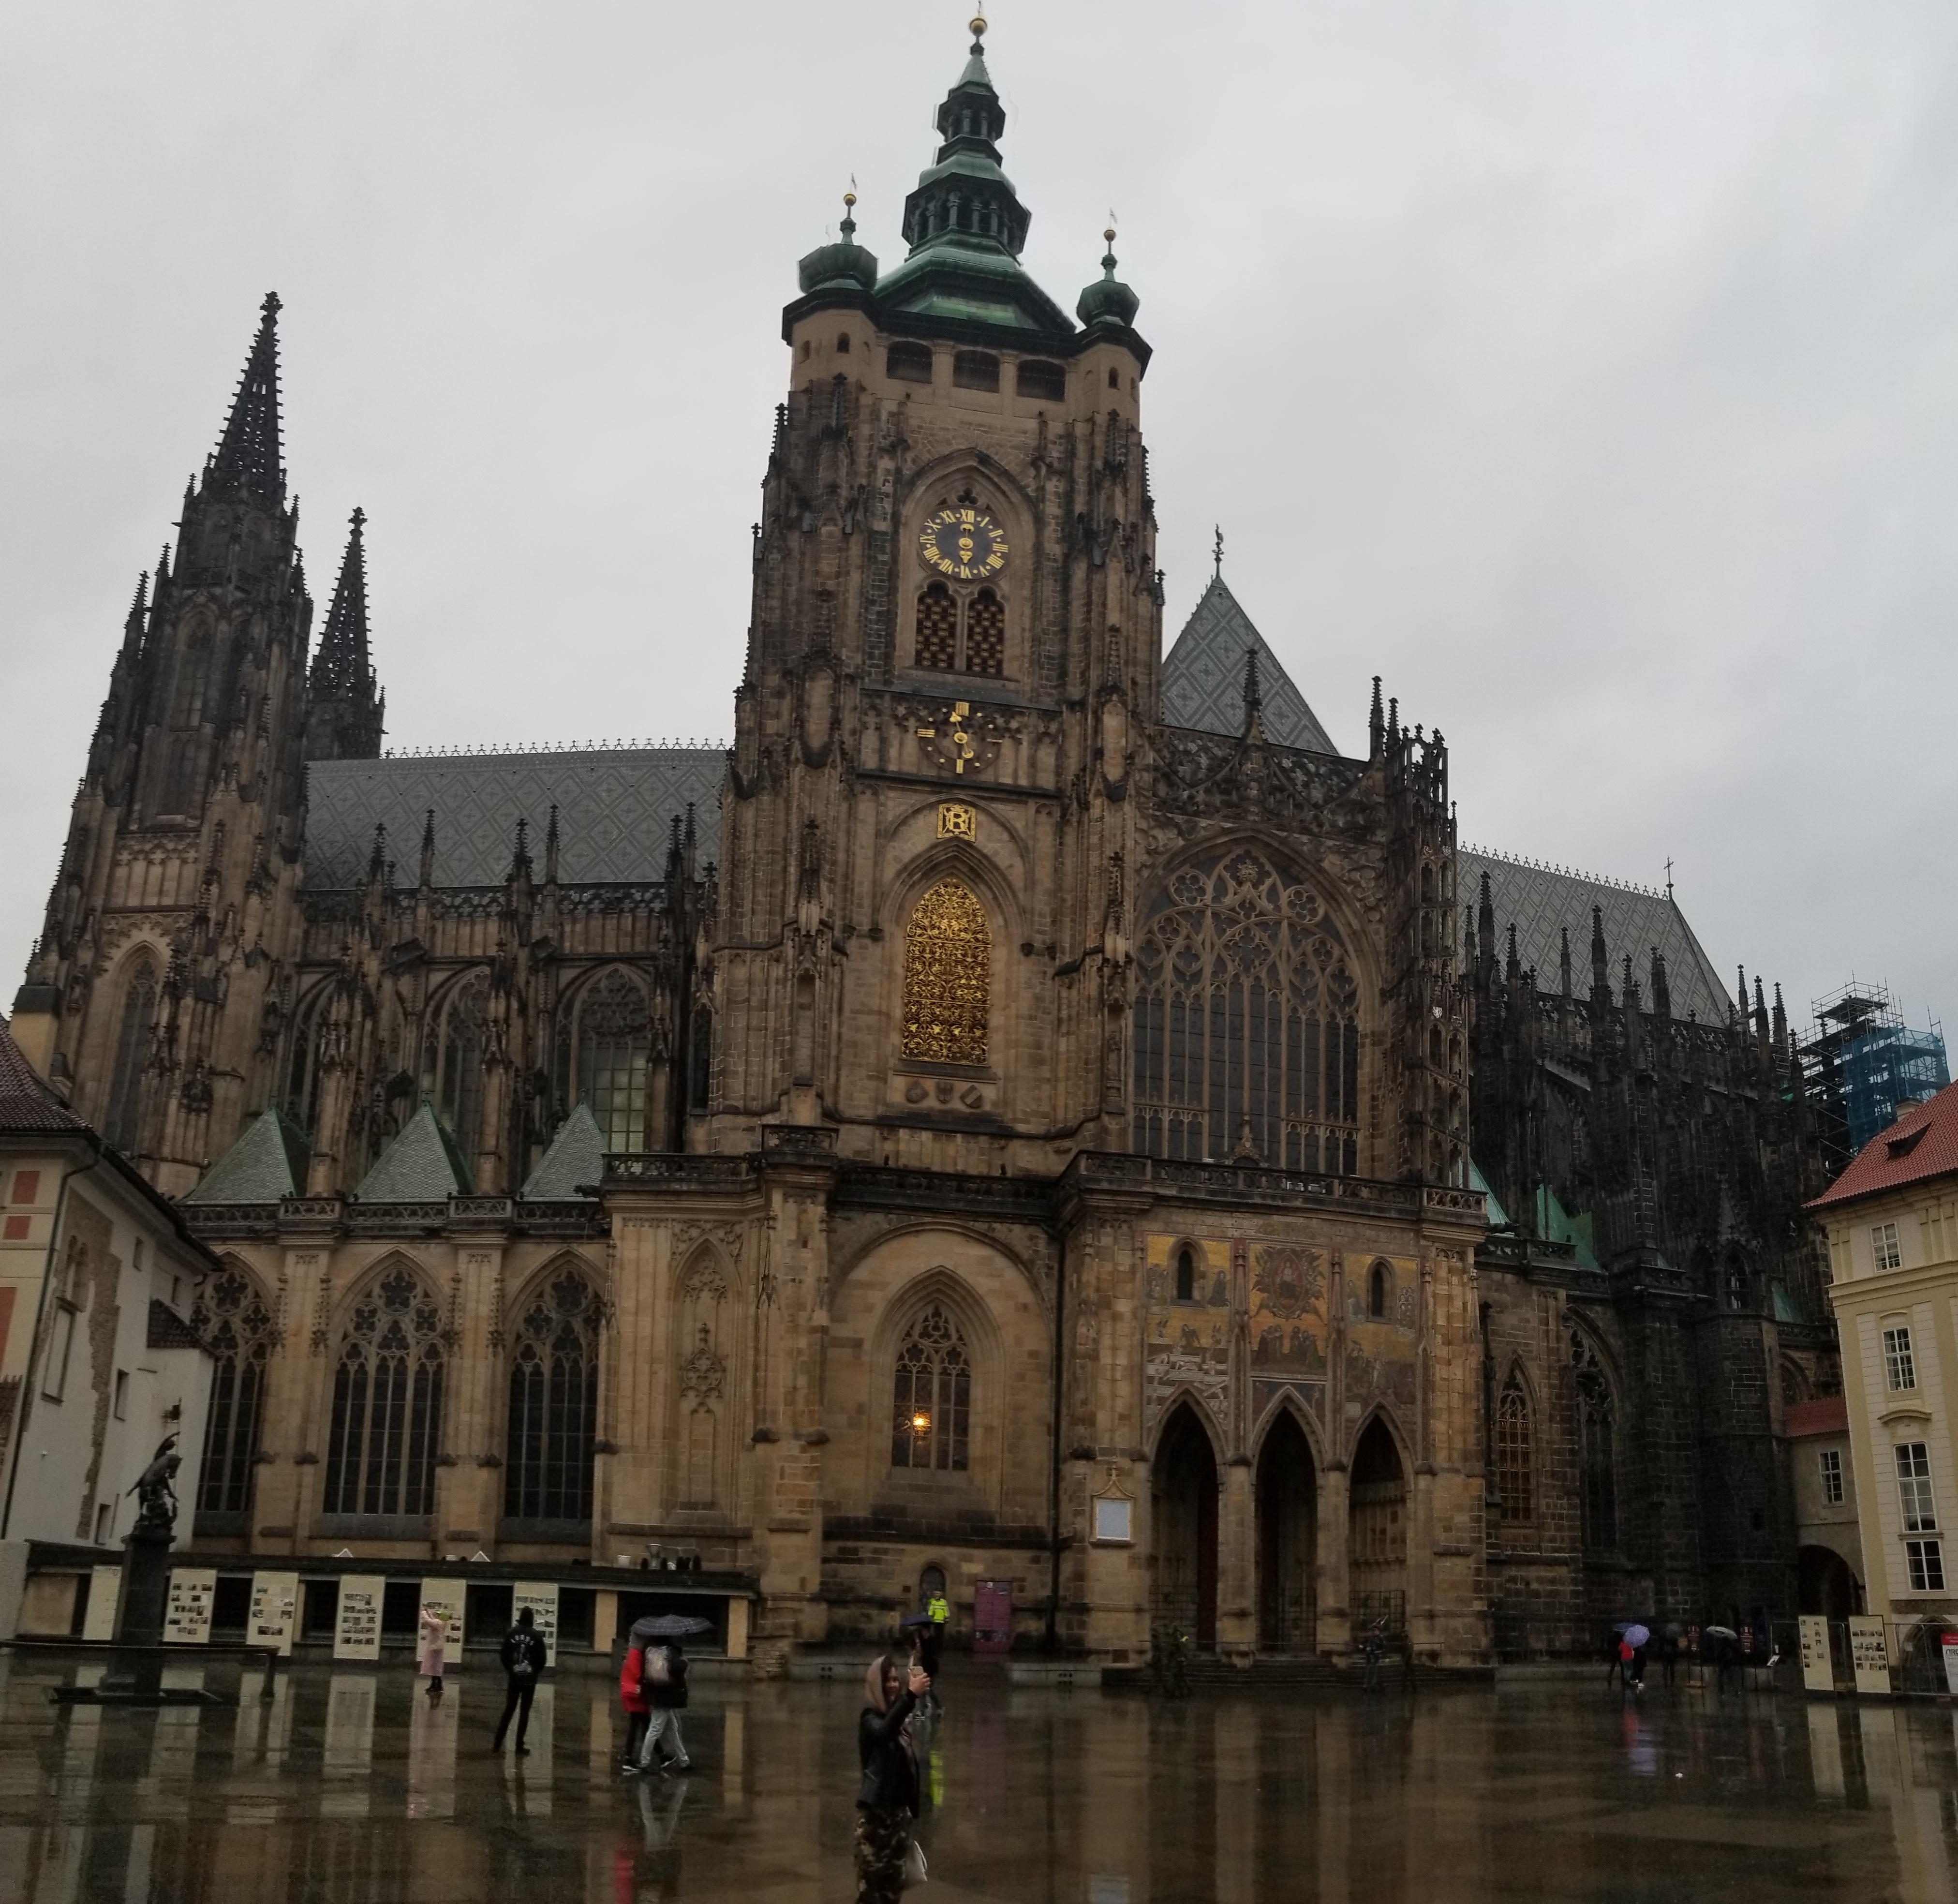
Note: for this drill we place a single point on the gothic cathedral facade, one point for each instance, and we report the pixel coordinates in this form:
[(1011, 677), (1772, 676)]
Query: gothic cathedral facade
[(1007, 1119)]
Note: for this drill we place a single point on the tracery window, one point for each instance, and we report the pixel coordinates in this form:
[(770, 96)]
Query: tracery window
[(613, 1050), (960, 637), (454, 1060), (1516, 1453), (121, 1123), (1246, 1021), (947, 977), (553, 1404), (937, 628), (933, 1403), (387, 1402), (232, 1317), (1596, 1452)]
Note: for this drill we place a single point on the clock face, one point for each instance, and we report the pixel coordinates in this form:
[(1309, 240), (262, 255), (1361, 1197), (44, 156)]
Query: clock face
[(966, 545)]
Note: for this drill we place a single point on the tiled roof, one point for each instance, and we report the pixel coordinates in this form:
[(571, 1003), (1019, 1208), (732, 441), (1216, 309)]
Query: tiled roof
[(1203, 678), (25, 1103), (1922, 1143), (422, 1165), (576, 1155), (1539, 902), (268, 1161), (169, 1330), (1826, 1415), (616, 806)]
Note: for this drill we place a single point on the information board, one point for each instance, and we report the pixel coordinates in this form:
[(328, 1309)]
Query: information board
[(1868, 1654), (187, 1616), (992, 1616), (446, 1598), (275, 1604), (356, 1628), (105, 1601), (540, 1596), (1818, 1672)]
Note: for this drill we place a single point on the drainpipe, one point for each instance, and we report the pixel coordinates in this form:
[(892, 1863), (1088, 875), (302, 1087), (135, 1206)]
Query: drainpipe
[(40, 1310), (1053, 1638)]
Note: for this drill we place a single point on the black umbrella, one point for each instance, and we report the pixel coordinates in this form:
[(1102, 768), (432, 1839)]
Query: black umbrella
[(917, 1620), (667, 1626)]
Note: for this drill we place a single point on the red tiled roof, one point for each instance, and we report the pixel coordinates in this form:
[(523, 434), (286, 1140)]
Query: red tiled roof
[(1826, 1415), (25, 1103), (1922, 1143)]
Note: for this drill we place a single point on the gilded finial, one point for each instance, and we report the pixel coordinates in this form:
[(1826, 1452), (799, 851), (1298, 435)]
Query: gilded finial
[(978, 29)]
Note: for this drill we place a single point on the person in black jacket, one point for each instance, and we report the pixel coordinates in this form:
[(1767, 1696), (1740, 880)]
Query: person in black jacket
[(524, 1658), (887, 1792)]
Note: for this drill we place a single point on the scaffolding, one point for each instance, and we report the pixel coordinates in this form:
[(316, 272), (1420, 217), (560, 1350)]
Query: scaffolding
[(1861, 1065)]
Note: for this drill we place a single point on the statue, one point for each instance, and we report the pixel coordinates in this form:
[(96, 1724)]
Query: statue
[(157, 1500)]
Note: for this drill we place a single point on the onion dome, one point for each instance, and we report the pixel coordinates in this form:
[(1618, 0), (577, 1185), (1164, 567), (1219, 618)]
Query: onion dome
[(845, 263), (1108, 300)]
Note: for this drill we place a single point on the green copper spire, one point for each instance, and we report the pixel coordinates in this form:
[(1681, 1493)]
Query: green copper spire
[(846, 263), (1108, 300)]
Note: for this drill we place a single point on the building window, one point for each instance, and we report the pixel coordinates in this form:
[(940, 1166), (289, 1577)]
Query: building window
[(1899, 1365), (948, 977), (1516, 1453), (387, 1403), (1246, 1022), (553, 1404), (614, 1049), (1046, 381), (122, 1124), (975, 370), (1914, 1496), (1829, 1461), (960, 637), (458, 1065), (105, 1523), (1186, 1274), (908, 362), (232, 1317), (119, 1407), (1596, 1449), (700, 1060), (985, 635), (1925, 1561), (60, 1345), (937, 629), (1884, 1248), (933, 1409), (1377, 1292)]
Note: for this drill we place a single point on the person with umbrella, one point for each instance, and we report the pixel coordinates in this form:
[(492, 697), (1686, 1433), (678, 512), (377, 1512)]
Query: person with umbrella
[(1631, 1651), (653, 1655)]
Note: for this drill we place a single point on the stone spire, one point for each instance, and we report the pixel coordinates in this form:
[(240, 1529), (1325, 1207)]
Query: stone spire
[(246, 464), (345, 711)]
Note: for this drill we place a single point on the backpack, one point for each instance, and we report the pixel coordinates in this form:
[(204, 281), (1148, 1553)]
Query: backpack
[(656, 1667), (525, 1666)]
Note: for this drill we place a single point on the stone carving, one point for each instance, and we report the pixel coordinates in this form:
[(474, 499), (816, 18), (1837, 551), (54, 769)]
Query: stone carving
[(703, 1374)]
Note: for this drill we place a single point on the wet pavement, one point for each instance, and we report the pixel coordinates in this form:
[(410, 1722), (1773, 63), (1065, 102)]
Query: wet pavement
[(348, 1789)]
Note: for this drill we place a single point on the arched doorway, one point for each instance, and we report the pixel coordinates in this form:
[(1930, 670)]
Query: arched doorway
[(1184, 1515), (1824, 1584), (1377, 1532), (1288, 1540)]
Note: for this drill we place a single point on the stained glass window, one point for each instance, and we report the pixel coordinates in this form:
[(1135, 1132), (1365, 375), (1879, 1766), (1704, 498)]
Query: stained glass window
[(1515, 1454), (459, 1078), (947, 977), (614, 1049), (933, 1411), (232, 1317), (122, 1123), (387, 1402), (553, 1404)]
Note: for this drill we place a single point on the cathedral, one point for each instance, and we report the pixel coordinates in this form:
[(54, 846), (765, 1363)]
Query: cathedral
[(1034, 1111)]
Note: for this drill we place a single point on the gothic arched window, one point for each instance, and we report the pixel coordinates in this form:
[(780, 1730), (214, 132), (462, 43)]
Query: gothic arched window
[(1246, 1021), (614, 1054), (1597, 1453), (937, 645), (932, 1409), (985, 635), (948, 977), (1377, 1292), (456, 1060), (1186, 1274), (1516, 1453), (960, 637), (122, 1122), (387, 1402), (232, 1317), (553, 1404)]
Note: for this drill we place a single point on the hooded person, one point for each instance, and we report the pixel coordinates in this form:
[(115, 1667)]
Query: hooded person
[(525, 1658), (887, 1790)]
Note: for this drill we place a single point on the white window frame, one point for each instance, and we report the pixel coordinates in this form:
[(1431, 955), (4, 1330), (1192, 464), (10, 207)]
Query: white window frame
[(1915, 1501), (1924, 1560), (1900, 1362), (1829, 1461), (1885, 1251)]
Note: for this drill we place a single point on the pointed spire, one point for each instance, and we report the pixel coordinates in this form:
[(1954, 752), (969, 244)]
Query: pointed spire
[(1254, 698), (1563, 959), (1485, 926), (1780, 1024), (520, 856), (428, 849), (1661, 991), (132, 623), (1376, 723), (1394, 719), (346, 709), (1600, 989), (550, 848), (246, 465), (377, 861)]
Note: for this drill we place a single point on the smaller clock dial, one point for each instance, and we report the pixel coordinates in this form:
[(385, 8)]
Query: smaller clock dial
[(965, 545)]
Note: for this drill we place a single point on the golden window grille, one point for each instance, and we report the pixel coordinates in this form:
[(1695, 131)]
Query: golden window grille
[(948, 977), (985, 635), (937, 629)]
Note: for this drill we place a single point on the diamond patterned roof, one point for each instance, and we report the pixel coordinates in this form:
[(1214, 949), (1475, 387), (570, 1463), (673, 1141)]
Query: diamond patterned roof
[(576, 1155), (1203, 678), (268, 1161), (422, 1165), (1540, 902), (616, 807)]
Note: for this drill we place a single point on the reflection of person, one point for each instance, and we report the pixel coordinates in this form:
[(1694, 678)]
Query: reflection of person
[(887, 1790), (434, 1648), (524, 1657), (1373, 1651), (663, 1684)]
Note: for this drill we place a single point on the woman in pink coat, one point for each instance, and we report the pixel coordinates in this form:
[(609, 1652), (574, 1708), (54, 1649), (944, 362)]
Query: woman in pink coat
[(434, 1648)]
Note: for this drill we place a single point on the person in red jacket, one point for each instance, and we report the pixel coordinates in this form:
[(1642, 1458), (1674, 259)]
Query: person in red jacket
[(633, 1698)]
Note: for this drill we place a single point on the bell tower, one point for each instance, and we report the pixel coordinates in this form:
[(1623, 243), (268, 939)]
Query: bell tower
[(922, 923)]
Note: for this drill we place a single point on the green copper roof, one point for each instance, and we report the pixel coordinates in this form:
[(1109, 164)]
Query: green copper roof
[(576, 1156), (268, 1162), (422, 1165)]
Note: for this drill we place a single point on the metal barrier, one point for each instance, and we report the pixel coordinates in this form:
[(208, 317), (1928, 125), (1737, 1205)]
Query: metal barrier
[(158, 1656)]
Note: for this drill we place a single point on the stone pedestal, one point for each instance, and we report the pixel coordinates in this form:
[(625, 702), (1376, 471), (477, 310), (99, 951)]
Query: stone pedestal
[(145, 1598)]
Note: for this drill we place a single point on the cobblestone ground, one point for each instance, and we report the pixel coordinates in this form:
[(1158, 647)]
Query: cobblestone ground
[(347, 1789)]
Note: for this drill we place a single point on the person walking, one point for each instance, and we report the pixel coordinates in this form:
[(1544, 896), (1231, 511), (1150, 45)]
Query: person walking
[(524, 1657), (939, 1607), (887, 1788), (662, 1685), (926, 1642), (632, 1697), (1374, 1652), (433, 1650)]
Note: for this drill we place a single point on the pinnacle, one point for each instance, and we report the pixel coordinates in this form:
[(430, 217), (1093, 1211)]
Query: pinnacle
[(342, 667), (246, 462)]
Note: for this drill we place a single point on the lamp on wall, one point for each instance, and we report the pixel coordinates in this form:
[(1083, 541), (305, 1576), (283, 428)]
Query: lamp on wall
[(174, 1412)]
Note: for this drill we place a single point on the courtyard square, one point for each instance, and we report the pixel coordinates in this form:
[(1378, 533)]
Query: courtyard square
[(349, 1788)]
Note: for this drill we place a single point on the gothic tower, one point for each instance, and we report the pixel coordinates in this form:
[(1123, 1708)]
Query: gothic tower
[(155, 995)]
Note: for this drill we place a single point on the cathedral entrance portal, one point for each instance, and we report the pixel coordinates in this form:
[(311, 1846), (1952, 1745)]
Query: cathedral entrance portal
[(1184, 1515), (1287, 1541), (1378, 1542)]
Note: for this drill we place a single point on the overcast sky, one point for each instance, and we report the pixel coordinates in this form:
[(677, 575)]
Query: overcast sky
[(1588, 371)]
